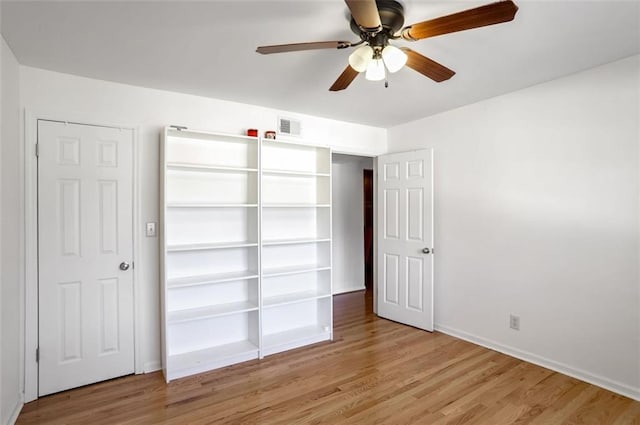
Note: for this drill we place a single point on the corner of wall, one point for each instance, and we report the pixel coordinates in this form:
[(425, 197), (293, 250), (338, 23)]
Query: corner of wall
[(15, 412), (11, 239)]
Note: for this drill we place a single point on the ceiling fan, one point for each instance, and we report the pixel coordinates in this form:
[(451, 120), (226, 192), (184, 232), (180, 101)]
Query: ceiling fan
[(377, 22)]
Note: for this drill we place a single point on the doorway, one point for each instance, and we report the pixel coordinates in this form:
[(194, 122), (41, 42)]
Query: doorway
[(352, 216)]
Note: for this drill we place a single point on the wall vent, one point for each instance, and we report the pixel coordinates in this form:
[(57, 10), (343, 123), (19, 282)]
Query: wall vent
[(289, 127)]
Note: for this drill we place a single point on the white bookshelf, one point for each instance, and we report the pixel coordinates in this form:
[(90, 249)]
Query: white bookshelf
[(211, 257), (246, 242), (295, 246)]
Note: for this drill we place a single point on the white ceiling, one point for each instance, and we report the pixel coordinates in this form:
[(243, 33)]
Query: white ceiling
[(208, 48)]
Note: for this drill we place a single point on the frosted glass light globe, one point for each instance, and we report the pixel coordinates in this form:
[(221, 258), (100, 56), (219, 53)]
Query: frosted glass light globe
[(375, 70), (394, 58), (360, 58)]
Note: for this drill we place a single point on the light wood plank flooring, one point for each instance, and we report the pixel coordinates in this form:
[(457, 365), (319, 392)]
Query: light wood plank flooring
[(375, 372)]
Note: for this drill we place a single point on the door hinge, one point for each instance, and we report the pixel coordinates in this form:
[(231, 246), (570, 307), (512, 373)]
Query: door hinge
[(37, 354), (37, 150)]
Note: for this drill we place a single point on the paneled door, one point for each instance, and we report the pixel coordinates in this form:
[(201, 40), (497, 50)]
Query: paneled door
[(85, 248), (405, 238)]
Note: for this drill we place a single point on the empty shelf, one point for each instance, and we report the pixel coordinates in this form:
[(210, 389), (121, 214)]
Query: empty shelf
[(210, 311), (207, 246), (295, 173), (196, 205), (208, 168), (293, 241), (296, 205), (281, 271), (294, 297), (201, 136), (180, 282)]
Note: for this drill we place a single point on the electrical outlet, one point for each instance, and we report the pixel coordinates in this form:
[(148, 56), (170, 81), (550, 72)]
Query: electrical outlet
[(514, 322)]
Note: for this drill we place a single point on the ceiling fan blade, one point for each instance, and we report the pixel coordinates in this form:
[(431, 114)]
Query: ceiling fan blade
[(426, 66), (365, 13), (295, 47), (343, 81), (490, 14)]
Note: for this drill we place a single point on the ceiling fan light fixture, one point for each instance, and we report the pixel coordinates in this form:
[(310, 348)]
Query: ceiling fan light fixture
[(375, 70), (360, 58), (394, 58), (379, 22)]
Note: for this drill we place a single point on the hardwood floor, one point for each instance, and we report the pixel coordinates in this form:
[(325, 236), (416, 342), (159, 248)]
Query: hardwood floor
[(374, 372)]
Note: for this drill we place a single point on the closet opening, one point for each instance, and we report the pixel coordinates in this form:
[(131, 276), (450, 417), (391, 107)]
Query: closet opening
[(353, 229)]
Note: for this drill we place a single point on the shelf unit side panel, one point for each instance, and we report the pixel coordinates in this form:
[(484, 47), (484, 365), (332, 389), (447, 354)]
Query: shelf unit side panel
[(257, 331), (329, 307), (163, 260)]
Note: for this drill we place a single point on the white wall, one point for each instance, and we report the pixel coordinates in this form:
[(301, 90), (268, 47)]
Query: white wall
[(10, 270), (348, 222), (537, 214), (62, 96)]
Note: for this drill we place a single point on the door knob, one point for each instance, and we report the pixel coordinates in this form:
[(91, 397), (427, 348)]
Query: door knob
[(124, 266), (426, 251)]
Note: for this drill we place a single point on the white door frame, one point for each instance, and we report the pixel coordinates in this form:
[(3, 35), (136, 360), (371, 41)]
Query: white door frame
[(31, 242)]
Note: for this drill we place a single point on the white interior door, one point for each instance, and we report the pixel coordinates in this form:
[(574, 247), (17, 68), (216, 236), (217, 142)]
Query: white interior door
[(405, 238), (85, 246)]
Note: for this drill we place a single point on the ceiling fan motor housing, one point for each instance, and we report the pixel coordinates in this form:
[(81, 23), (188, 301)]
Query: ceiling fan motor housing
[(392, 19)]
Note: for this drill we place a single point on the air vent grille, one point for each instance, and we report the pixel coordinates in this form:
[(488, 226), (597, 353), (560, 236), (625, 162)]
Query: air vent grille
[(289, 127)]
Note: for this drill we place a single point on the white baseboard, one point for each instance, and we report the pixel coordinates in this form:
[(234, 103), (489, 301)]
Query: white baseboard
[(611, 385), (16, 411), (348, 289), (152, 366)]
